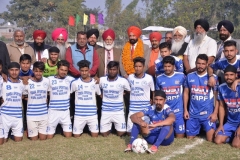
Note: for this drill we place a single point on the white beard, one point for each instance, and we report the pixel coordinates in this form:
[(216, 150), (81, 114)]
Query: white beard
[(198, 38), (108, 46), (62, 49), (177, 45)]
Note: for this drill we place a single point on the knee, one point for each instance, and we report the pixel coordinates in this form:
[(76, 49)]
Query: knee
[(236, 145), (217, 140)]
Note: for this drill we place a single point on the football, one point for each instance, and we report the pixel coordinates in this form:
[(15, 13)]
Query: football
[(139, 145)]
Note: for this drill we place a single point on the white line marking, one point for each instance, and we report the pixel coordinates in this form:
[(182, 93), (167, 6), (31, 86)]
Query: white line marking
[(183, 150)]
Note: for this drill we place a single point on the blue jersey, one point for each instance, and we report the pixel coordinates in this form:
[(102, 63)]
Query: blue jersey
[(159, 65), (157, 116), (201, 95), (232, 100), (173, 87), (223, 63), (28, 73)]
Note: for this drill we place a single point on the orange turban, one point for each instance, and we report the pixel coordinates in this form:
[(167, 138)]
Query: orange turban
[(155, 35), (107, 33), (135, 30), (39, 33), (59, 32)]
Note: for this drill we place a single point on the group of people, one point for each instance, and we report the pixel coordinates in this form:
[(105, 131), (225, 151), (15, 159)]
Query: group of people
[(172, 88)]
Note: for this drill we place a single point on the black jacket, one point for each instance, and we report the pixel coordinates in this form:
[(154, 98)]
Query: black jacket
[(4, 56)]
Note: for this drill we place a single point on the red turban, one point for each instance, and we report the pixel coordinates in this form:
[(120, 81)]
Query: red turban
[(107, 33), (39, 33), (135, 30), (155, 35), (59, 32)]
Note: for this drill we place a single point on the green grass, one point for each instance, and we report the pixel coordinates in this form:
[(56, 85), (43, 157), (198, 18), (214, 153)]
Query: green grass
[(109, 148)]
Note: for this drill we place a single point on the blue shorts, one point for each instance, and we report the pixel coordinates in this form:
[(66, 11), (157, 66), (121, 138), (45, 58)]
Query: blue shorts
[(193, 125), (179, 124), (229, 131), (152, 137)]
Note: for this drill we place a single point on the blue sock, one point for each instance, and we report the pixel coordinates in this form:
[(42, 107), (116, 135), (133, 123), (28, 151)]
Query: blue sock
[(135, 132), (162, 135)]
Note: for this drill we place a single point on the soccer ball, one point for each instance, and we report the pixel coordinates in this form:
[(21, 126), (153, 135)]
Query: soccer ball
[(139, 145)]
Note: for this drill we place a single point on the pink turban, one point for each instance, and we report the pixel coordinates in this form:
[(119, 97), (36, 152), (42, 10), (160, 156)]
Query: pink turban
[(107, 33), (135, 30), (59, 32), (155, 35)]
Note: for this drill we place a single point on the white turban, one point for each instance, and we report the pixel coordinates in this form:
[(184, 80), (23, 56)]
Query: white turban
[(181, 30)]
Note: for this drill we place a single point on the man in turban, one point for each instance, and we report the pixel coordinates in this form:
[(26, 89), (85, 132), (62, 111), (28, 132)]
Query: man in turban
[(60, 36), (225, 29), (92, 37), (200, 44), (38, 45), (155, 39), (178, 44)]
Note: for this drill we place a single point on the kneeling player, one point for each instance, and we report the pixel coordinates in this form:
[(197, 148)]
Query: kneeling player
[(160, 132), (113, 87), (85, 90), (58, 112), (230, 131), (37, 114)]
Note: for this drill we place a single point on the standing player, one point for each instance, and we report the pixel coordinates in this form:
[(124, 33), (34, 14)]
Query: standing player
[(229, 100), (201, 105), (37, 114), (160, 130), (11, 109), (113, 87), (141, 84), (85, 89), (165, 50), (171, 83), (51, 64), (58, 112)]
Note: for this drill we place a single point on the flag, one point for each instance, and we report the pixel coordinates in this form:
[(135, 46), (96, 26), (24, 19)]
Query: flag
[(77, 19), (100, 18), (92, 19), (85, 19), (71, 21)]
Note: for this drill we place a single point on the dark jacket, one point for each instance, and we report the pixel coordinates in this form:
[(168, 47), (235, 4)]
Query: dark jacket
[(4, 56)]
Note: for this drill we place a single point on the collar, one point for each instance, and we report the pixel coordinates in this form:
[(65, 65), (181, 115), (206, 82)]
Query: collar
[(13, 82), (59, 78), (25, 72), (201, 75), (171, 75), (112, 80), (140, 77)]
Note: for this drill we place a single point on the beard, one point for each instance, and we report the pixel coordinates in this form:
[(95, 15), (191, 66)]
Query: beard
[(62, 52), (224, 37), (37, 47), (177, 45), (108, 46), (19, 43), (133, 41), (198, 38)]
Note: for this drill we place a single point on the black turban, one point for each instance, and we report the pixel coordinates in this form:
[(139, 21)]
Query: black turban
[(202, 22), (230, 68), (13, 65), (91, 32), (160, 93), (226, 24)]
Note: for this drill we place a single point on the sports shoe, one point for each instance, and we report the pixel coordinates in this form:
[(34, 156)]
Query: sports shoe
[(152, 149), (129, 148)]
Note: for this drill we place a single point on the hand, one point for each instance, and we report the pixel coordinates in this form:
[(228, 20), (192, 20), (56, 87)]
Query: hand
[(125, 76), (213, 117), (152, 126), (44, 60), (4, 76), (96, 79), (25, 79), (143, 124), (186, 115), (211, 81), (220, 128), (234, 85)]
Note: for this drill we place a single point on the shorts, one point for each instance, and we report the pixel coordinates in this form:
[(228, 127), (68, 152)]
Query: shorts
[(229, 131), (193, 125), (56, 117), (117, 118), (179, 124), (1, 128), (14, 123), (81, 121), (35, 127)]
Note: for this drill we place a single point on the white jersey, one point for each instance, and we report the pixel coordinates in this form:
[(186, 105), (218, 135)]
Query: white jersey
[(59, 92), (113, 93), (12, 97), (85, 97), (37, 99), (140, 92)]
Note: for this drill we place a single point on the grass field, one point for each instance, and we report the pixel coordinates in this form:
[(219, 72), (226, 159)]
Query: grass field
[(111, 148)]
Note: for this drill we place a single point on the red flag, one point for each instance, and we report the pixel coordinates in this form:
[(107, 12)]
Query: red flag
[(71, 21), (92, 19)]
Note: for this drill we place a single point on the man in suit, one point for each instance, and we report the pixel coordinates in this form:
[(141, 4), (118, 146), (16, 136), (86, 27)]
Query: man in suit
[(108, 53)]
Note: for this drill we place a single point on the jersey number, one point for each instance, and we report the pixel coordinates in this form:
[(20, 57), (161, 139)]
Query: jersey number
[(31, 86), (8, 87), (54, 82)]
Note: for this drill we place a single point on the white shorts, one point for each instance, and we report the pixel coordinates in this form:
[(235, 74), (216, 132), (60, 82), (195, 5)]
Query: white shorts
[(117, 118), (1, 128), (10, 122), (81, 121), (56, 117), (35, 127)]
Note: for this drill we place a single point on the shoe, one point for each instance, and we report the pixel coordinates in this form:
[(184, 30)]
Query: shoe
[(129, 148), (152, 149)]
